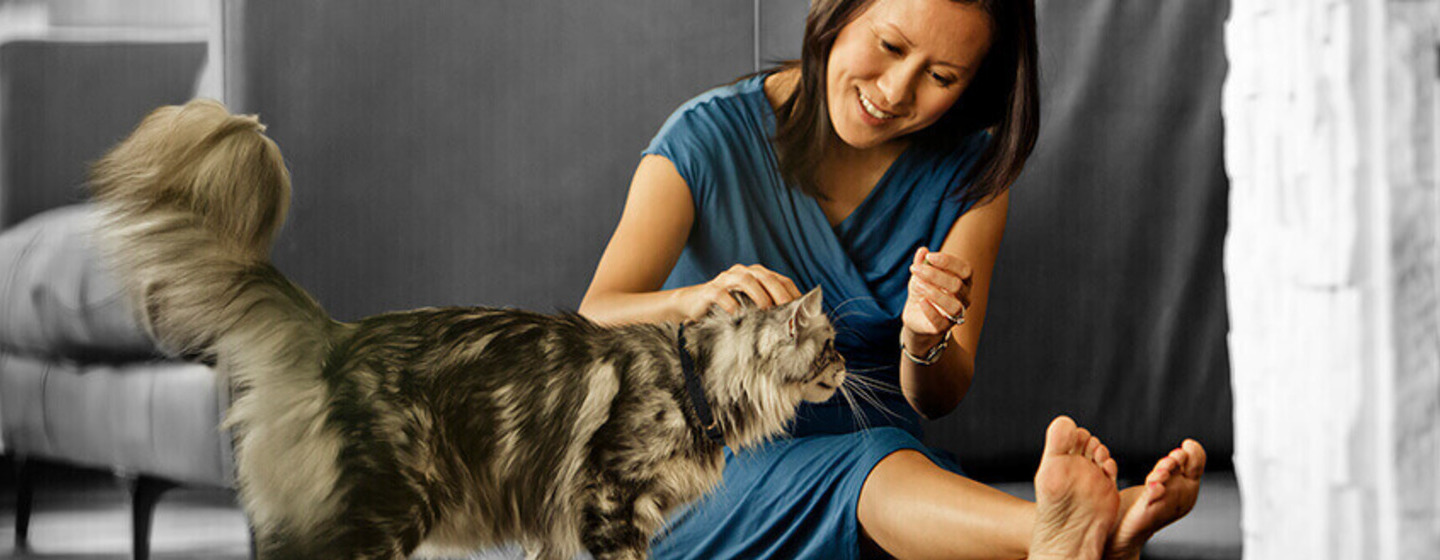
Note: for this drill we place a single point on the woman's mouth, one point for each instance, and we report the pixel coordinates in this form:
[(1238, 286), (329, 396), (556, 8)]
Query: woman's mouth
[(872, 115)]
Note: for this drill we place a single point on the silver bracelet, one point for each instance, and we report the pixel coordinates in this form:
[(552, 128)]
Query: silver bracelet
[(930, 357)]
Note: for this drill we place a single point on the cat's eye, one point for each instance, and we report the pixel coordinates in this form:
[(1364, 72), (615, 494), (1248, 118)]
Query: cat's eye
[(826, 355)]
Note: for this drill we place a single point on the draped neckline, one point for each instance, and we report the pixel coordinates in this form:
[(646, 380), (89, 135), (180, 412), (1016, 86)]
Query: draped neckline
[(847, 224), (846, 273)]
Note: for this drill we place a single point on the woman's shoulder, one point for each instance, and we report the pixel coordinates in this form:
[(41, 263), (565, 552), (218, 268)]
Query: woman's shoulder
[(720, 118), (728, 102), (712, 135)]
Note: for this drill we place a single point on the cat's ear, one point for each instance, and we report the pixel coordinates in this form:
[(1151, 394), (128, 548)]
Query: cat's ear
[(805, 310)]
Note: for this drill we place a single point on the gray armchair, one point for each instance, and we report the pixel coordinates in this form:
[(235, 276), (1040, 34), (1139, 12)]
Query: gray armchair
[(80, 382)]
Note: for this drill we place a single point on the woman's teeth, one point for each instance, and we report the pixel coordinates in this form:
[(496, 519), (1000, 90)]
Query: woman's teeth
[(873, 110)]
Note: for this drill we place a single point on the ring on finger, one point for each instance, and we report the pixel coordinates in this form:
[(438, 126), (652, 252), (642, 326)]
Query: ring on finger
[(958, 319)]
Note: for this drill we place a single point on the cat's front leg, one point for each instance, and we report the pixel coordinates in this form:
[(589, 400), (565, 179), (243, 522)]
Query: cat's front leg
[(611, 531), (642, 553), (616, 538)]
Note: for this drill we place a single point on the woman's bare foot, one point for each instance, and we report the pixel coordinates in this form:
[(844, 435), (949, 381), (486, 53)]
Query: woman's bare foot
[(1075, 498), (1168, 494)]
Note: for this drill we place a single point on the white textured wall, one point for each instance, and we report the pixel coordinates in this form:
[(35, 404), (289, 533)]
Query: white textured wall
[(1411, 73), (1331, 272)]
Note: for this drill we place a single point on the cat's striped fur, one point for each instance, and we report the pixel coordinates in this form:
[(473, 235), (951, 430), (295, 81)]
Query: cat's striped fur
[(451, 428)]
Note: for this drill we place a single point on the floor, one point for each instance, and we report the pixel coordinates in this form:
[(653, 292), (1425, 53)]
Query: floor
[(81, 514), (86, 515)]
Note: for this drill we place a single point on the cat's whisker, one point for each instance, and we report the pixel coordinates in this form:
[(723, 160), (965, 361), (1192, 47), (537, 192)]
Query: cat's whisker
[(874, 384), (865, 370), (866, 394), (842, 316), (842, 304), (848, 331), (856, 412), (839, 320)]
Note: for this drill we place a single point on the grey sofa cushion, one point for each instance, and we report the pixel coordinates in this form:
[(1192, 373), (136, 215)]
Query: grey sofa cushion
[(157, 418), (56, 297)]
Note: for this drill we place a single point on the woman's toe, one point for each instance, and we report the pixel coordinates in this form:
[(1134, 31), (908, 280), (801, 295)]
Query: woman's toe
[(1057, 434), (1082, 441), (1162, 470), (1092, 448), (1154, 491), (1196, 465)]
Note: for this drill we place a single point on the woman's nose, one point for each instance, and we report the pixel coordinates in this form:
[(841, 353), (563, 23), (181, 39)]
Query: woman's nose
[(897, 85)]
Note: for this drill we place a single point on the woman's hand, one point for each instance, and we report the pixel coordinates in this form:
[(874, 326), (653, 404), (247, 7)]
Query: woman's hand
[(939, 292), (765, 287)]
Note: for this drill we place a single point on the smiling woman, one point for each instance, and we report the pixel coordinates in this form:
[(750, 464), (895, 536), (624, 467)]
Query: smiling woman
[(888, 84), (979, 54), (876, 167)]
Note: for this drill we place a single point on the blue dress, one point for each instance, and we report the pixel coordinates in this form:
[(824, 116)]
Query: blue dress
[(795, 498)]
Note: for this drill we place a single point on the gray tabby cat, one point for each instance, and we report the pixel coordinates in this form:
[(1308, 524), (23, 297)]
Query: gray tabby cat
[(442, 429)]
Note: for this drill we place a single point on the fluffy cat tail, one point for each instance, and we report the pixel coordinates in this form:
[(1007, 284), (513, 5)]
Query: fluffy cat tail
[(190, 203)]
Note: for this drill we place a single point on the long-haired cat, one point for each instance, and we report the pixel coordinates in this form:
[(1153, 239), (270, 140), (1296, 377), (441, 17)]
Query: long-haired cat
[(452, 428)]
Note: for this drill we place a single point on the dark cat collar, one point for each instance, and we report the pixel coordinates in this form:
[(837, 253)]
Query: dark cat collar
[(696, 390)]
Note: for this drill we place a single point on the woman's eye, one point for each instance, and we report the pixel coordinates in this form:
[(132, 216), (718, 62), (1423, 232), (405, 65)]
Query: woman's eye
[(890, 48), (943, 80)]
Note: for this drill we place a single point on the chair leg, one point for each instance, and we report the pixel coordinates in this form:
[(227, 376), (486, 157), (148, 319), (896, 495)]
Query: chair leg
[(145, 492), (24, 500)]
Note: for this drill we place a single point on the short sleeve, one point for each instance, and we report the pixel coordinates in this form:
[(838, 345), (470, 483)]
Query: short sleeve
[(692, 139)]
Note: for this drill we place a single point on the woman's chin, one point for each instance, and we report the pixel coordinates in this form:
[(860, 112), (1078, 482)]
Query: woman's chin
[(862, 137)]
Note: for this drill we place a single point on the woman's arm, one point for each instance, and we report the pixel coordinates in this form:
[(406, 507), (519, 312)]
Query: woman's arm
[(971, 246), (652, 232), (647, 242)]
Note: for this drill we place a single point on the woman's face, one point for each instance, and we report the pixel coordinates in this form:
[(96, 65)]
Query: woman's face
[(900, 65)]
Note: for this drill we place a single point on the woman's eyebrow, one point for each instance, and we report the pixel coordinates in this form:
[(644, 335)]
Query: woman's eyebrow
[(896, 30)]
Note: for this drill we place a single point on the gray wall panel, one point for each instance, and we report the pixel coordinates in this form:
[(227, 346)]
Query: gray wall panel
[(782, 26), (460, 152), (1108, 301), (66, 102)]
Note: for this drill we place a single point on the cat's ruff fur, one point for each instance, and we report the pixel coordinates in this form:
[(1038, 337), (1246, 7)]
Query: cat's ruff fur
[(452, 428)]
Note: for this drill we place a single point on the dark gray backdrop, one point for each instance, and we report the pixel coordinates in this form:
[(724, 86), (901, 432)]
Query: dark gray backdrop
[(1109, 296), (52, 128), (461, 152)]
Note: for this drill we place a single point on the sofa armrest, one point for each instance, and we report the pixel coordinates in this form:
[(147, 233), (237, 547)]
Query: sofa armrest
[(57, 299)]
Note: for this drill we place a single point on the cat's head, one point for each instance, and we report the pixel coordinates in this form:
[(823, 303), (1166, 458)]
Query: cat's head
[(759, 364)]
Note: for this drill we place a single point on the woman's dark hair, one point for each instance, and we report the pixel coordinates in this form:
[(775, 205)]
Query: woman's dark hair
[(1003, 98)]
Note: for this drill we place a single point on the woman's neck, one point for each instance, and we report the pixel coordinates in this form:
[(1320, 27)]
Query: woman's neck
[(778, 88)]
